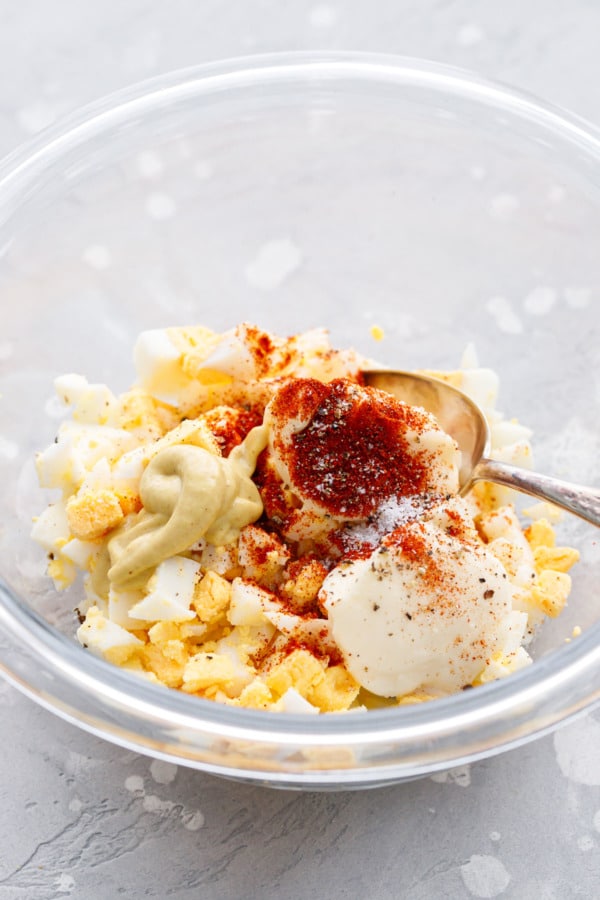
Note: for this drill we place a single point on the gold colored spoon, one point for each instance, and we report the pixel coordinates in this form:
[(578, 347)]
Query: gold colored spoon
[(461, 418)]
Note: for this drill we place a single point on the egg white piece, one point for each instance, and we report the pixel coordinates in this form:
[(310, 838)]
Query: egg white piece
[(293, 702), (51, 527), (157, 362), (94, 404), (170, 592), (78, 447), (232, 357), (100, 635)]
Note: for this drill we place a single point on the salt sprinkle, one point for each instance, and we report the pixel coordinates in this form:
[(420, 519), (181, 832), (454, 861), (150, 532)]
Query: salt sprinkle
[(393, 513)]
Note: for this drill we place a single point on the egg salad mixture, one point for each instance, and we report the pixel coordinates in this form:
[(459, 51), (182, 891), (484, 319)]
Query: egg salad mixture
[(257, 527)]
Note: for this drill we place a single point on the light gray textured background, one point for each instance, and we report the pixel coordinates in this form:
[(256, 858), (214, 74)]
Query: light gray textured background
[(84, 819)]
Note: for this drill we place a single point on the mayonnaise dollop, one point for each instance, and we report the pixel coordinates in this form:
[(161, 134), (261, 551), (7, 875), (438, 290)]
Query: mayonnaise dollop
[(424, 610)]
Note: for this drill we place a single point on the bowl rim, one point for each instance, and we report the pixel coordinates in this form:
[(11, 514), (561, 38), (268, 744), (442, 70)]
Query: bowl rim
[(429, 725), (231, 71)]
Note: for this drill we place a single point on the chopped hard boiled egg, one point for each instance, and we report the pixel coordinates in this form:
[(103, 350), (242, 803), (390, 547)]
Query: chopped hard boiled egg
[(257, 528), (170, 592)]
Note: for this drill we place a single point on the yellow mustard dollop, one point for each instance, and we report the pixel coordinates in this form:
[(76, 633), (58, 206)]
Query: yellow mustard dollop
[(187, 494)]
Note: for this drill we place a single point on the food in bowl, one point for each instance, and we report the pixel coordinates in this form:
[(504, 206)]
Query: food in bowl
[(257, 527)]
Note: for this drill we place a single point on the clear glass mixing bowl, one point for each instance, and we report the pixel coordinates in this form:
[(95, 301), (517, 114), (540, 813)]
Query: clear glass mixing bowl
[(297, 191)]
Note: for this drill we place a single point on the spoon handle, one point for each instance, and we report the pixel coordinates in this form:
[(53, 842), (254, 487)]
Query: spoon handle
[(582, 501)]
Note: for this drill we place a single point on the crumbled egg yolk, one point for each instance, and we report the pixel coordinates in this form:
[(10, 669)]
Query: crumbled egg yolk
[(242, 623)]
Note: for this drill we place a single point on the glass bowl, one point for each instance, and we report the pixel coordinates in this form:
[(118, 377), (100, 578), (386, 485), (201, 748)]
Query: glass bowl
[(296, 191)]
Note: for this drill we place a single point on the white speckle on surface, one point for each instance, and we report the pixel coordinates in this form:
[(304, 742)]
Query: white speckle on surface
[(203, 169), (154, 804), (134, 783), (556, 194), (64, 884), (163, 772), (495, 835), (460, 775), (504, 206), (8, 449), (193, 821), (540, 301), (274, 262), (75, 805), (585, 843), (160, 206), (322, 16), (485, 876), (478, 173), (6, 350), (469, 34), (36, 117), (97, 256), (150, 165), (577, 298), (577, 748), (503, 314)]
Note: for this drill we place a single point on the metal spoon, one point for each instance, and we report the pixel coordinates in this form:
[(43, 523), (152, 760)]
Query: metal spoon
[(461, 418)]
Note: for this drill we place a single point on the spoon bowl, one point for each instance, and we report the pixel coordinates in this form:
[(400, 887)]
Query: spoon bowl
[(463, 420)]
